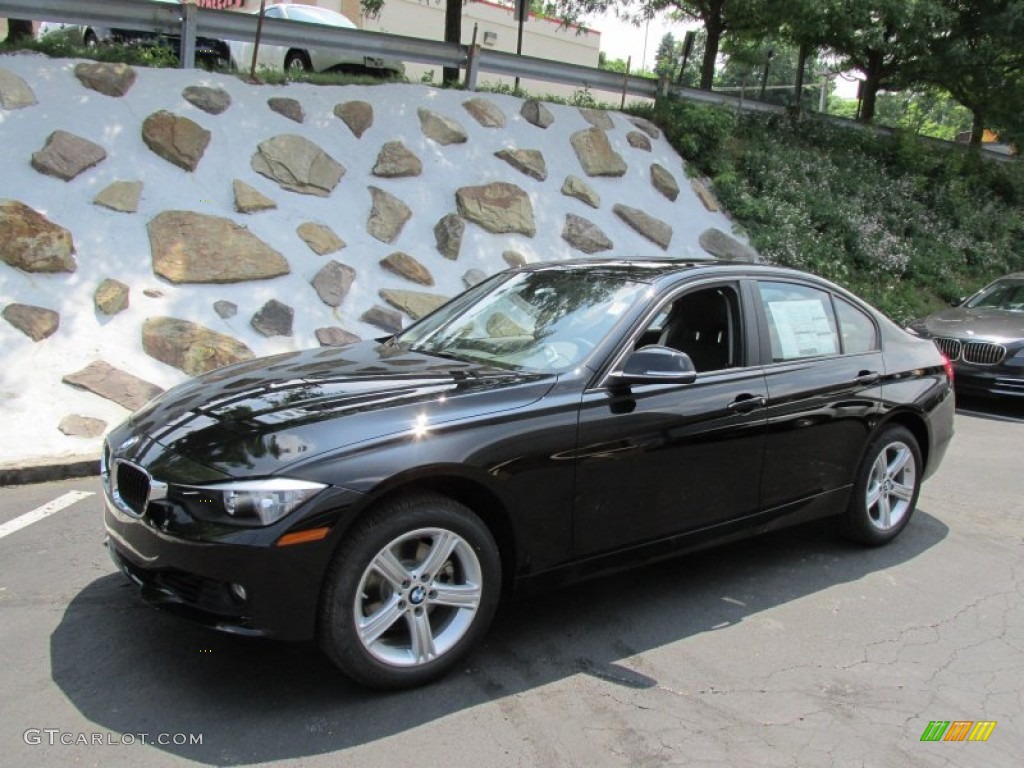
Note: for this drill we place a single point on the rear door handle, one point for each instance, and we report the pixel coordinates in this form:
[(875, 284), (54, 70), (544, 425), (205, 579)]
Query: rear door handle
[(747, 403), (868, 377)]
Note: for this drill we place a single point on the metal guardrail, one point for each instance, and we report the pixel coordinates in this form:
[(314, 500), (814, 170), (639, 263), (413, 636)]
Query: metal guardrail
[(189, 21)]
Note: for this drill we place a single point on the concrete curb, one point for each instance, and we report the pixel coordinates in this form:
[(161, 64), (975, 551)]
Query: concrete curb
[(47, 470)]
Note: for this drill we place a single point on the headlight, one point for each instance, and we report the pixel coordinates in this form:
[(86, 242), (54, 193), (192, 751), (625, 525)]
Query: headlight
[(251, 502), (1017, 358)]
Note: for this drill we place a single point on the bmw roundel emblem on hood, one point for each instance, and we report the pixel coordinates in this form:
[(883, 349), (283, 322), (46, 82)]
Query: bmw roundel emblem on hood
[(131, 441)]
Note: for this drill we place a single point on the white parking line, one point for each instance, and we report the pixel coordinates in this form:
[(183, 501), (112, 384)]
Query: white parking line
[(44, 511)]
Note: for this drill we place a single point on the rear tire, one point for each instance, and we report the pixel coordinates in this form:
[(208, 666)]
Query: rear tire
[(409, 592), (297, 61), (885, 493)]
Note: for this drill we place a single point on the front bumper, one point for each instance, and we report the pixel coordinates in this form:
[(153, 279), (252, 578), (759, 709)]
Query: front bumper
[(1002, 381), (235, 581)]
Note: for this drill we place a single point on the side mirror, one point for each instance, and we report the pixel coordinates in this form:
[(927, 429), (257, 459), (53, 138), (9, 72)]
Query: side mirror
[(656, 365), (958, 302)]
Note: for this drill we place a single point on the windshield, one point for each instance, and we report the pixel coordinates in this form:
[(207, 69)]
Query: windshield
[(546, 321), (1002, 294), (317, 16)]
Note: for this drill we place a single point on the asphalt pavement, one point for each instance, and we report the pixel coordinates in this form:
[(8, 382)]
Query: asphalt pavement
[(794, 649)]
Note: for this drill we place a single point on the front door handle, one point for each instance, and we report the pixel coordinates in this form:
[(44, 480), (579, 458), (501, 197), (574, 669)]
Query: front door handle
[(868, 377), (747, 403)]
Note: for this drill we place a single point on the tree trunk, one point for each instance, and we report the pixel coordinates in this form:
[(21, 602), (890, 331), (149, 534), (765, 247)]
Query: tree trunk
[(871, 86), (977, 129), (18, 30), (798, 90), (452, 34), (713, 28)]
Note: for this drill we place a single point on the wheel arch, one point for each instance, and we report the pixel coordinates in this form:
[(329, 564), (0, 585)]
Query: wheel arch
[(915, 424), (471, 493)]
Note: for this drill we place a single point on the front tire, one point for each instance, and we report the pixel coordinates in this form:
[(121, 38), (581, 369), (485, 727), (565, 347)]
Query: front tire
[(409, 592), (886, 490)]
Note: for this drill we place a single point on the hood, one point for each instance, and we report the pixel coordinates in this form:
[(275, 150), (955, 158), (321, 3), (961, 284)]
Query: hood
[(981, 324), (256, 418)]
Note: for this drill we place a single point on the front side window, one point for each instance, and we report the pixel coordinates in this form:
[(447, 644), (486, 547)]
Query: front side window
[(543, 321), (702, 323), (801, 322)]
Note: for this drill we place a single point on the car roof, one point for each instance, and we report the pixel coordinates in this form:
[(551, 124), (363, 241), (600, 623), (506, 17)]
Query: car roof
[(649, 269)]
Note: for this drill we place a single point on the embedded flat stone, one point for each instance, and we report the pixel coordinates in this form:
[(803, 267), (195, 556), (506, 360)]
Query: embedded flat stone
[(225, 309), (386, 319), (333, 281), (176, 139), (584, 235), (249, 199), (190, 347), (664, 181), (333, 336), (74, 425), (290, 108), (498, 207), (66, 155), (705, 195), (448, 234), (111, 296), (388, 215), (638, 140), (441, 129), (473, 277), (320, 238), (113, 384), (15, 93), (298, 165), (416, 304), (655, 230), (121, 196), (598, 118), (528, 161), (595, 153), (723, 246), (406, 266), (574, 186), (37, 323), (213, 101), (274, 319), (357, 115), (192, 247), (646, 126), (536, 113), (395, 160), (514, 259), (33, 243), (485, 112), (106, 78)]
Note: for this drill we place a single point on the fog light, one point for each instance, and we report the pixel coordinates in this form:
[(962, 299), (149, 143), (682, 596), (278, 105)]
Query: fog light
[(239, 591)]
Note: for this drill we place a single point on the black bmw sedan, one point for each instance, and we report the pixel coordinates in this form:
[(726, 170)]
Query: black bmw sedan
[(555, 421)]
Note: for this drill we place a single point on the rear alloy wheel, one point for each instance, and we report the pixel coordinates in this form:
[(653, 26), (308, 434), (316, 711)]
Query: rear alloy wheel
[(409, 592), (888, 483), (297, 61)]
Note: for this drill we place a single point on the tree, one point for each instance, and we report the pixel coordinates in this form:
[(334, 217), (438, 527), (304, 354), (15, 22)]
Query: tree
[(666, 56), (883, 39), (980, 61), (717, 16)]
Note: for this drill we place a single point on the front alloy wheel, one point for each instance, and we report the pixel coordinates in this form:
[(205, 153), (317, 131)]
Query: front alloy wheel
[(410, 590), (886, 489)]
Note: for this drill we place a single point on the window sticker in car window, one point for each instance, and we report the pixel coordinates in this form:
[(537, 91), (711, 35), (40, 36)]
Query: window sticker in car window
[(803, 328)]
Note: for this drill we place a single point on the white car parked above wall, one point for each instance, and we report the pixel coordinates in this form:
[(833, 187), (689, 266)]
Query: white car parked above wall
[(311, 59)]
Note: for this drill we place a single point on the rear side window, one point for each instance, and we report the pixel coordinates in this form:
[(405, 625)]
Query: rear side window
[(801, 321), (856, 328)]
